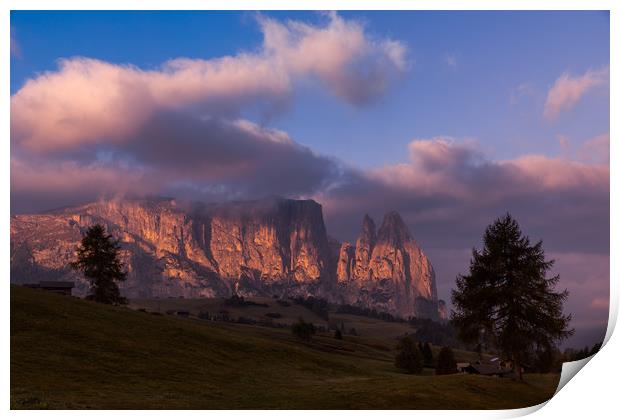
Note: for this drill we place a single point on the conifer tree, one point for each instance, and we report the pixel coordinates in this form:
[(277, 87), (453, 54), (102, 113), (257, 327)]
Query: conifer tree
[(409, 358), (98, 259), (507, 300), (446, 364)]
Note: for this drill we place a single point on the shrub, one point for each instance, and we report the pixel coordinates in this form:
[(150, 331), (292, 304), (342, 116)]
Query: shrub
[(446, 365), (239, 301), (244, 320), (317, 305), (408, 358), (367, 312), (304, 330), (437, 333), (224, 315)]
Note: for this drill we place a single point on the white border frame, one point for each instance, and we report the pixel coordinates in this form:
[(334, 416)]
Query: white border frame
[(592, 395)]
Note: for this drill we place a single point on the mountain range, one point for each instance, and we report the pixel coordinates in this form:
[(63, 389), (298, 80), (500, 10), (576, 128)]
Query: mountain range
[(265, 247)]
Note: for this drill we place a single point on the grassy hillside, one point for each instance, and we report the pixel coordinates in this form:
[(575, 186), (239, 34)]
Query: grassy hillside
[(366, 327), (371, 332), (289, 314), (69, 353)]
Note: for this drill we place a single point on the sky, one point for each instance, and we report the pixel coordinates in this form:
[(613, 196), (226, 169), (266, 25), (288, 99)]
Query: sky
[(450, 118)]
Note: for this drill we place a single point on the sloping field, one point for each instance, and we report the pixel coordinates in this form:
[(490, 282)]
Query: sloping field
[(214, 306), (69, 353)]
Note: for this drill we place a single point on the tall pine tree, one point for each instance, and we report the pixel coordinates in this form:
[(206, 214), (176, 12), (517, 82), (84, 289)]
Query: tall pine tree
[(98, 259), (507, 300)]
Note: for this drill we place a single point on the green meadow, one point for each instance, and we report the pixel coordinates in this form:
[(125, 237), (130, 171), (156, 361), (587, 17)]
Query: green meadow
[(67, 353)]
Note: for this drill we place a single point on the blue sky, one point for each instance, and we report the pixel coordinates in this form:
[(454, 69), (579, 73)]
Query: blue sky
[(450, 118), (493, 52)]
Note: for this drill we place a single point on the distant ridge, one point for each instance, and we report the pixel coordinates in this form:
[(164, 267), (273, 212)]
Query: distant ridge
[(251, 248)]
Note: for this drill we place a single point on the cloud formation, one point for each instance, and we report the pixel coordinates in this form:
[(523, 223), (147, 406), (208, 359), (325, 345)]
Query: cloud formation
[(586, 276), (595, 150), (449, 191), (177, 129), (209, 158), (568, 90), (43, 184), (90, 101)]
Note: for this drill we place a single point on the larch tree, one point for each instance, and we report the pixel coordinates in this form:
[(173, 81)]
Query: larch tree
[(507, 300), (98, 260)]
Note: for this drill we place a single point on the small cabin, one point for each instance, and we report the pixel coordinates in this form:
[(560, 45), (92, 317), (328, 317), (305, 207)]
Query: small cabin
[(462, 367), (487, 369), (60, 287)]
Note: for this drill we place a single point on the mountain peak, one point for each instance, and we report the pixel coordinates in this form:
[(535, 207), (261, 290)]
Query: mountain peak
[(393, 229), (368, 227), (393, 217)]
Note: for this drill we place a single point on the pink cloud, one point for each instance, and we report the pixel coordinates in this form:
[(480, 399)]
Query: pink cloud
[(586, 276), (445, 165), (87, 101), (434, 166), (567, 90), (328, 53), (450, 190), (71, 177), (595, 150), (558, 173), (174, 154)]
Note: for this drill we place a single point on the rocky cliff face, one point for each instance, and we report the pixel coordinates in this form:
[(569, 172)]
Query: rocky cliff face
[(388, 270), (265, 247), (363, 251)]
